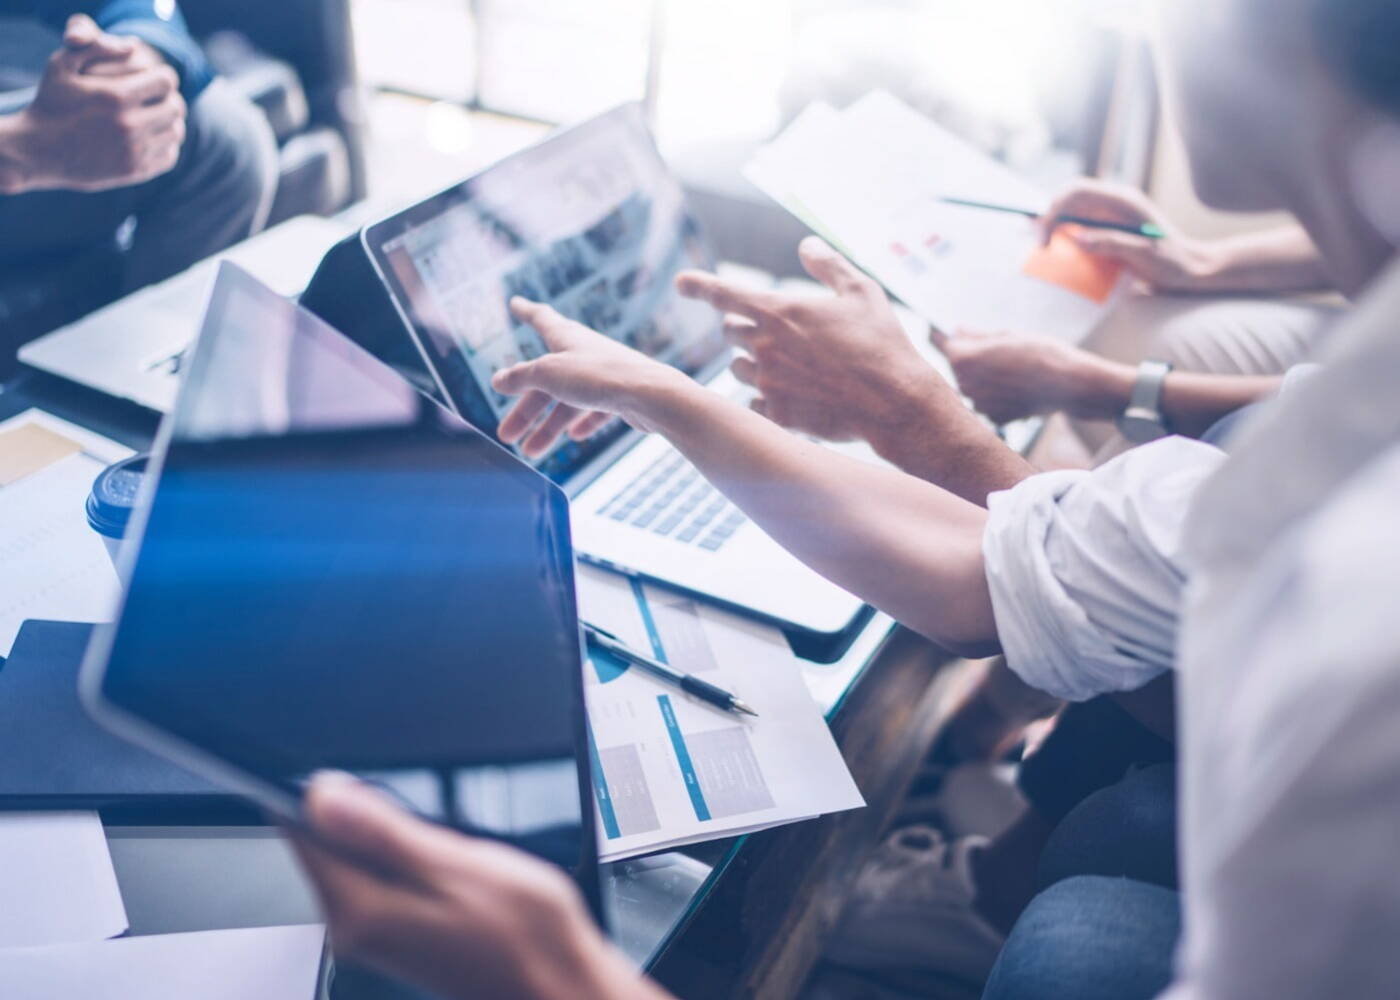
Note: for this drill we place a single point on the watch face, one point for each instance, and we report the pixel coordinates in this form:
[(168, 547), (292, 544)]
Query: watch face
[(1139, 427)]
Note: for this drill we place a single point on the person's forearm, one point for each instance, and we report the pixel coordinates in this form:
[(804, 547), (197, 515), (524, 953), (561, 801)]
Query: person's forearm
[(906, 546), (940, 440), (1191, 401), (1275, 261)]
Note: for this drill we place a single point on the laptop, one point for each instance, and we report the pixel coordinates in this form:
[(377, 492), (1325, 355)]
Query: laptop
[(327, 570), (592, 222), (134, 348)]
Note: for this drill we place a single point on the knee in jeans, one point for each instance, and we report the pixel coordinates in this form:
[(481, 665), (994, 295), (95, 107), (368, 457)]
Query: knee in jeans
[(1090, 937), (234, 148), (1125, 830)]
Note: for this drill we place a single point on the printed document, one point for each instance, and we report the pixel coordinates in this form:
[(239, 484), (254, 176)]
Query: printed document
[(873, 180), (266, 963), (672, 770), (52, 564), (56, 881)]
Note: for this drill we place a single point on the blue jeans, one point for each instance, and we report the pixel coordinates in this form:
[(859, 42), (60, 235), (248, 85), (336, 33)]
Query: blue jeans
[(1090, 937), (1127, 830), (1092, 747), (1106, 921)]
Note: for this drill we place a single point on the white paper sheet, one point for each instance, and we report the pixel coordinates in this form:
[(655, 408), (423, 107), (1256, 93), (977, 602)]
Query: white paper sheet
[(52, 564), (676, 770), (871, 179), (56, 881), (258, 963)]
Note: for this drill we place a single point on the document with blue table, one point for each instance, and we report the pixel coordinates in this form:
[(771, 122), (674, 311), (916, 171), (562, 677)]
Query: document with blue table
[(673, 770)]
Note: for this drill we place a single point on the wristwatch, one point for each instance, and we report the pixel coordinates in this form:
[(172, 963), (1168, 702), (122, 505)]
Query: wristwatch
[(1142, 421)]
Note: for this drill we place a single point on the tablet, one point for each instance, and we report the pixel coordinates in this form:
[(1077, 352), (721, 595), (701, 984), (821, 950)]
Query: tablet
[(328, 570), (590, 221)]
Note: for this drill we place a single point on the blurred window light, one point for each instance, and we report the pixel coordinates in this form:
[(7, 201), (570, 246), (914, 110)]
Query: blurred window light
[(722, 65), (562, 60), (1012, 75), (418, 46)]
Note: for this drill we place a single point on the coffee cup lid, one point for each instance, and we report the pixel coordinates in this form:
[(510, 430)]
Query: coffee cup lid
[(113, 496)]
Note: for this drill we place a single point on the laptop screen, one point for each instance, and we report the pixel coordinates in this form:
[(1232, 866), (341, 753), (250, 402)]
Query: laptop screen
[(335, 572), (590, 221)]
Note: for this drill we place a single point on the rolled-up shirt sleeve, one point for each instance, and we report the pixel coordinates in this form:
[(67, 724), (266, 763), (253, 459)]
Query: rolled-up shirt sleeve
[(1085, 568)]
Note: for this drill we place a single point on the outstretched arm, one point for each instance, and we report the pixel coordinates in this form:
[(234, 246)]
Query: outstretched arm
[(910, 548)]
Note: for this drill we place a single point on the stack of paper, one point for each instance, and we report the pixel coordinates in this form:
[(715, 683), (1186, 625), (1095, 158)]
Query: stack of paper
[(266, 963), (61, 913), (52, 564), (57, 885), (873, 180), (671, 770)]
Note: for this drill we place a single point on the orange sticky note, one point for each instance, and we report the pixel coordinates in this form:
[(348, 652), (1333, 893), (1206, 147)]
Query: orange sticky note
[(1062, 262), (28, 448)]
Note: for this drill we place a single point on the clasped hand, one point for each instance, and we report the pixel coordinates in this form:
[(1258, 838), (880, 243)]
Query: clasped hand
[(107, 114)]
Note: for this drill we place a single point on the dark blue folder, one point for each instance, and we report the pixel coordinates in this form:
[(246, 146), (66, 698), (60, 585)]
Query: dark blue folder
[(54, 756)]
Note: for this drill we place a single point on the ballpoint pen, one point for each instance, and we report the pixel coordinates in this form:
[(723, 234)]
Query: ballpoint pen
[(1148, 229), (705, 691)]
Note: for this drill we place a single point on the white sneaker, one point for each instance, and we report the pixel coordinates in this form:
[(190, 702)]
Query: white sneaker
[(911, 911), (967, 799)]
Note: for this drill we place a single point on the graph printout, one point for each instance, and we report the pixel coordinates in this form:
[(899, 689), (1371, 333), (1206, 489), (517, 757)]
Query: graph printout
[(671, 770), (875, 180)]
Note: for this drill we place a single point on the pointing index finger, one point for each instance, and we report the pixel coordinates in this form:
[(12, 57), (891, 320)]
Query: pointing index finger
[(723, 295), (552, 327)]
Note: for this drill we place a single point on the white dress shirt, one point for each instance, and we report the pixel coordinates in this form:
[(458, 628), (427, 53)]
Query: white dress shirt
[(1282, 566)]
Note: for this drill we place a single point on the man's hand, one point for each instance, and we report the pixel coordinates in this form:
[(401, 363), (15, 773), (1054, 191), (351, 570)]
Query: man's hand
[(89, 49), (576, 388), (1174, 263), (1009, 376), (840, 367), (107, 114), (460, 917)]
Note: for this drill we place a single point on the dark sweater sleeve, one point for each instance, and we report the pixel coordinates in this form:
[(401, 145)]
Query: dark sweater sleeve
[(158, 23)]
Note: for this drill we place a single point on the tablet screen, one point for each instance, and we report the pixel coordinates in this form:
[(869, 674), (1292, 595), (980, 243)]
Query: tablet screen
[(336, 573), (590, 221)]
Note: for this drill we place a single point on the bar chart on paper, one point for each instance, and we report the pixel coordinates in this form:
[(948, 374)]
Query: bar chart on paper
[(875, 180), (669, 770)]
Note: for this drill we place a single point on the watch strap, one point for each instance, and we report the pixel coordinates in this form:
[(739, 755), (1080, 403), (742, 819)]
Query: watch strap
[(1147, 390), (1142, 421)]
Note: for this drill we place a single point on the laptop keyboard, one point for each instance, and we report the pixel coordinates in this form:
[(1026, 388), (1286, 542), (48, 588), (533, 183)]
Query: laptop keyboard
[(670, 498)]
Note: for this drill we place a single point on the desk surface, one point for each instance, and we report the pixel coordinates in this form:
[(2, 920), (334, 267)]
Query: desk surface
[(741, 916)]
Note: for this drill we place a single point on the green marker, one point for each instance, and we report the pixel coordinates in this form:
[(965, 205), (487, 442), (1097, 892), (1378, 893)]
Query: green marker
[(1147, 229)]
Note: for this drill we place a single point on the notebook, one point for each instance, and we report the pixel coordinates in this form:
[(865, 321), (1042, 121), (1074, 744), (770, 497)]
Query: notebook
[(53, 756)]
